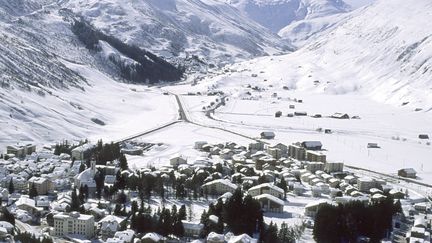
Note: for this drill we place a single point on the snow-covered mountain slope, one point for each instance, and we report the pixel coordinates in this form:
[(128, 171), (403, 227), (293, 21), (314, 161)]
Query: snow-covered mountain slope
[(53, 88), (305, 31), (358, 3), (213, 31), (383, 51), (294, 20)]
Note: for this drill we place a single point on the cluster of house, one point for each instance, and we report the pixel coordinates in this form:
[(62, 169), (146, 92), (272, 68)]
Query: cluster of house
[(415, 226), (257, 168)]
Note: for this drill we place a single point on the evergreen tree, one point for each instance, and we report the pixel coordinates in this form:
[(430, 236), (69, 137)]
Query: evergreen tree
[(11, 187), (121, 198), (178, 229), (134, 207), (33, 192), (123, 162), (182, 212), (118, 210), (82, 167), (7, 216), (180, 191), (285, 234), (75, 201), (283, 185), (86, 191), (271, 234), (100, 182)]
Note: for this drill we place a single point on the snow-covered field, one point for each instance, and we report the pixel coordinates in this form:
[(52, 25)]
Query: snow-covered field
[(394, 128), (125, 109)]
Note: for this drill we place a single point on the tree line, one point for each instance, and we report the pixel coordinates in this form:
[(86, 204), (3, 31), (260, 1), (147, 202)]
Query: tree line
[(346, 222)]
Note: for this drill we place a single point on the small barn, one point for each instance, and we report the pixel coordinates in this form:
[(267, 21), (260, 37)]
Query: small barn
[(407, 172), (312, 145), (268, 135), (423, 136), (338, 115), (300, 113)]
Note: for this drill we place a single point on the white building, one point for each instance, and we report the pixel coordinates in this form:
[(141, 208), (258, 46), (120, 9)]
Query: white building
[(270, 203), (74, 223), (192, 229), (219, 187), (82, 152), (87, 178), (266, 188), (178, 160), (41, 184)]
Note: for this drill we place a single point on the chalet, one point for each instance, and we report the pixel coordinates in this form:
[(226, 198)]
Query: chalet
[(266, 188), (312, 145), (298, 189), (407, 172), (152, 238), (242, 239), (192, 229), (338, 115), (26, 204), (270, 203), (110, 225), (268, 135), (178, 160), (125, 236), (219, 187), (312, 208), (214, 237)]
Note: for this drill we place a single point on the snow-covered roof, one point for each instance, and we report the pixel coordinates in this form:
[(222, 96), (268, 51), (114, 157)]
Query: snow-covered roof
[(24, 200), (110, 218), (125, 235), (243, 238), (222, 181), (312, 144), (267, 185), (271, 198), (192, 225), (214, 218), (215, 237), (155, 237), (83, 147), (409, 170)]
